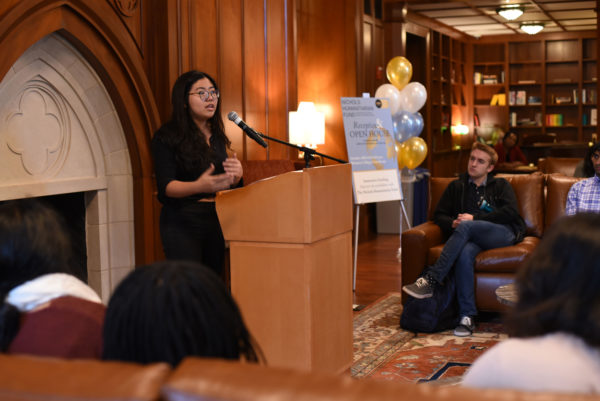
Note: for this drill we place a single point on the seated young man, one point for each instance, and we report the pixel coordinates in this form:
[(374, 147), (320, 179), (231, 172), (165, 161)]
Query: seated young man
[(584, 196), (476, 212)]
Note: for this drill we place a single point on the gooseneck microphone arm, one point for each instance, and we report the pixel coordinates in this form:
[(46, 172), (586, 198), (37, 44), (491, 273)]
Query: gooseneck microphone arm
[(309, 154)]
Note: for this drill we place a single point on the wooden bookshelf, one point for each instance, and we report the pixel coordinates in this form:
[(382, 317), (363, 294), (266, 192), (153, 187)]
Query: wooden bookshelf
[(447, 91), (550, 85)]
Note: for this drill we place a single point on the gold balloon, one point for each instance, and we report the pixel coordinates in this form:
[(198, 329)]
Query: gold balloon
[(398, 148), (399, 72), (414, 151)]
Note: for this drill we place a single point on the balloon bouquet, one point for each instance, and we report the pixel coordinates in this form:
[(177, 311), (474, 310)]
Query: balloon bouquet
[(406, 99)]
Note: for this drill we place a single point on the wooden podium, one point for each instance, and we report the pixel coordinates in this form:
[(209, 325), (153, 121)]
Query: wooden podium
[(290, 241)]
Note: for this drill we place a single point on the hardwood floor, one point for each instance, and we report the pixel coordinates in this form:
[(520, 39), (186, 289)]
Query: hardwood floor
[(378, 269)]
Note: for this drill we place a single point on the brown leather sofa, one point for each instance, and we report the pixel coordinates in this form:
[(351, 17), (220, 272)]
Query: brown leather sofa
[(563, 165), (26, 378), (541, 198)]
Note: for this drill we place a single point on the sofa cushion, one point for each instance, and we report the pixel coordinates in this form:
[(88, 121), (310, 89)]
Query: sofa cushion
[(557, 189), (41, 378), (529, 190), (562, 165)]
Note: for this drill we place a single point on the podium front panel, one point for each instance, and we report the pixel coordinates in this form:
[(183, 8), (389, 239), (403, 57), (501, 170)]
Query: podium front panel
[(297, 300), (296, 207)]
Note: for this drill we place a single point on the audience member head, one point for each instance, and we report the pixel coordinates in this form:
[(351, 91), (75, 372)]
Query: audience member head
[(591, 161), (510, 140), (168, 310), (559, 286), (33, 242), (486, 149)]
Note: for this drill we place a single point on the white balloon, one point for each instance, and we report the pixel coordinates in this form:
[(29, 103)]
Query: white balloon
[(392, 93), (413, 97)]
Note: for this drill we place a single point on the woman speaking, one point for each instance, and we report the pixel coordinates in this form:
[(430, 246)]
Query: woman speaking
[(191, 164)]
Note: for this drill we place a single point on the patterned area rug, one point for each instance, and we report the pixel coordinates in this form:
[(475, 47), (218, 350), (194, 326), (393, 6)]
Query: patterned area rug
[(382, 350)]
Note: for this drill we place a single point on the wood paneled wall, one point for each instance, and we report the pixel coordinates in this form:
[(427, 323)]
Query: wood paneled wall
[(265, 55)]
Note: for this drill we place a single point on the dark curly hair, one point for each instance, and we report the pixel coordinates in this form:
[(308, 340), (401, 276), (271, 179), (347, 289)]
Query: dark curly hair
[(181, 134), (168, 310), (559, 286)]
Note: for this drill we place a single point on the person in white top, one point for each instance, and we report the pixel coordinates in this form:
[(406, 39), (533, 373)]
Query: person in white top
[(555, 324), (44, 309)]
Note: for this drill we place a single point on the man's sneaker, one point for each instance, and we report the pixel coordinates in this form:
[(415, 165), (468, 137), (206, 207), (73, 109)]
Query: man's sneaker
[(422, 288), (465, 327)]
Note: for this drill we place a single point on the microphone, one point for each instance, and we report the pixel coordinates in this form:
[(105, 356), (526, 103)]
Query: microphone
[(233, 116)]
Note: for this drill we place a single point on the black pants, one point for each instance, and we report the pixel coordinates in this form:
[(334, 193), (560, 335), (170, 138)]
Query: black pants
[(193, 232)]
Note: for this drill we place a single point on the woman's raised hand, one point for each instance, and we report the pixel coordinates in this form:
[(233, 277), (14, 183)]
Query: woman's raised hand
[(209, 183), (233, 168)]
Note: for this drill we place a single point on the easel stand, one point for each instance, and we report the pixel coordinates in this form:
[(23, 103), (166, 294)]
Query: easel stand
[(357, 213)]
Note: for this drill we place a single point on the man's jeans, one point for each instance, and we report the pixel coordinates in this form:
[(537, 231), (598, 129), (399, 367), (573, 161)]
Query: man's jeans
[(467, 240)]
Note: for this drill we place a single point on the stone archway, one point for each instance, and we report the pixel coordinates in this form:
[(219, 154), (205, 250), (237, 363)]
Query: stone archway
[(60, 133)]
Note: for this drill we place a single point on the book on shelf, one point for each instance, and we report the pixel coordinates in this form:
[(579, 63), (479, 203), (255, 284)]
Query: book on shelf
[(526, 81), (538, 119), (499, 99), (513, 119), (534, 100), (575, 97), (489, 79), (521, 97), (588, 96), (477, 78), (594, 117), (562, 99)]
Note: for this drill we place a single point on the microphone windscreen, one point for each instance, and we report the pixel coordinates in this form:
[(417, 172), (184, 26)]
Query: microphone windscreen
[(232, 115)]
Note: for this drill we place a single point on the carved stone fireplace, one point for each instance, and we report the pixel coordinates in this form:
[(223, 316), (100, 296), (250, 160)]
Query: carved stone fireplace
[(60, 133)]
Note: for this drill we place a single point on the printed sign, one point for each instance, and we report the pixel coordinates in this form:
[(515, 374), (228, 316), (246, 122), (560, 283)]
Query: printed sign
[(371, 149)]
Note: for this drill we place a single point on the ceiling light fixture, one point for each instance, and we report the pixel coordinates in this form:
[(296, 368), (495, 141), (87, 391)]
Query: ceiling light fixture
[(510, 12), (532, 27)]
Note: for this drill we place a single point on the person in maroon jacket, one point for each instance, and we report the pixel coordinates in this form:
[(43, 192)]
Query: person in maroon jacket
[(45, 310), (509, 153)]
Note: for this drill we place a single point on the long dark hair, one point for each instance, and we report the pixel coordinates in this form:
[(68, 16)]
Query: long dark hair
[(33, 242), (588, 166), (168, 310), (559, 286), (180, 133)]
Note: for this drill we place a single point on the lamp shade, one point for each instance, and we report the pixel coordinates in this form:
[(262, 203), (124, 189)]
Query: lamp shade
[(307, 125), (510, 12), (532, 27)]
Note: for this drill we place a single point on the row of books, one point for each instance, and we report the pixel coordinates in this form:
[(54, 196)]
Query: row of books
[(592, 119), (520, 98), (552, 120), (479, 78), (526, 121)]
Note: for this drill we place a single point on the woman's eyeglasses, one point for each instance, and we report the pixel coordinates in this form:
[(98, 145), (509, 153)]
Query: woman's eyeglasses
[(205, 95)]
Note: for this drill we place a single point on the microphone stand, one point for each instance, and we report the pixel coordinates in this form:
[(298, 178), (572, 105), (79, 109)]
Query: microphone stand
[(309, 154)]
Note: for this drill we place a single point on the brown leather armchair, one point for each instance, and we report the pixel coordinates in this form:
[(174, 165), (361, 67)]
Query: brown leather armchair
[(541, 200), (201, 379)]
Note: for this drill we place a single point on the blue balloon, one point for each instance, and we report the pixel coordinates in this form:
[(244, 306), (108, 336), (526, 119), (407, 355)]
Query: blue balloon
[(420, 123), (406, 125)]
